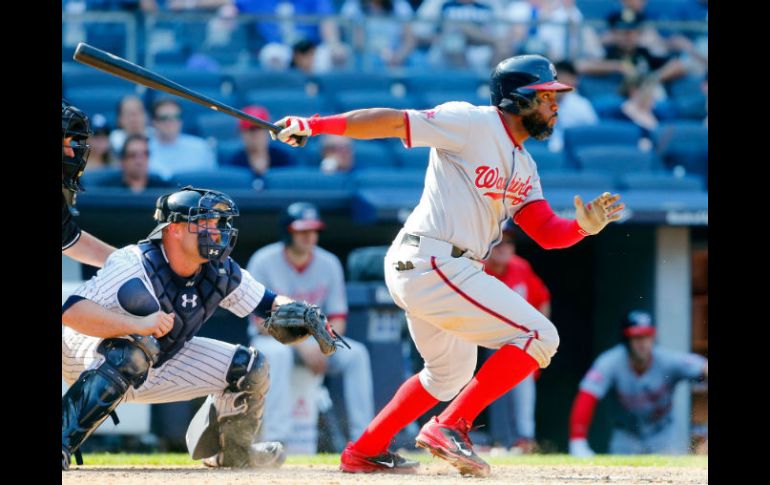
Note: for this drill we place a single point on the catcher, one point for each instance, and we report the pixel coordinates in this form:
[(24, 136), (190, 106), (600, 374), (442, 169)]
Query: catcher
[(144, 308)]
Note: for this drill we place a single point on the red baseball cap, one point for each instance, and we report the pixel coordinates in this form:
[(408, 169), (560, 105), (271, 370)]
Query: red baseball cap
[(255, 111)]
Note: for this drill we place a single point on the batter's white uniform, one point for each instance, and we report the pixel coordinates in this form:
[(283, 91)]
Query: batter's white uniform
[(477, 177), (198, 369)]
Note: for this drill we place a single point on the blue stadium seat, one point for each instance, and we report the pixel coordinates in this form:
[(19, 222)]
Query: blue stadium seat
[(614, 159), (383, 178), (218, 126), (305, 179), (596, 9), (341, 81), (608, 106), (78, 76), (456, 81), (227, 148), (211, 82), (350, 100), (592, 86), (371, 153), (288, 102), (247, 80), (604, 133), (435, 98), (573, 180), (660, 181), (683, 143), (99, 100), (691, 107), (546, 160), (685, 86), (94, 178), (221, 178), (413, 158)]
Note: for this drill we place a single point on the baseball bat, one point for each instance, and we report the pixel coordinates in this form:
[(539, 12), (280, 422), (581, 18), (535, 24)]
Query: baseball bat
[(122, 68)]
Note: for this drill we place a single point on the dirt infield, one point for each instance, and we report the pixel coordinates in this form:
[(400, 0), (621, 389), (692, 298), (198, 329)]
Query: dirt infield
[(438, 473)]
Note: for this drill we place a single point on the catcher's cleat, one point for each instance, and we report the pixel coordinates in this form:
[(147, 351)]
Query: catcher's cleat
[(352, 461), (451, 443), (65, 459), (269, 454)]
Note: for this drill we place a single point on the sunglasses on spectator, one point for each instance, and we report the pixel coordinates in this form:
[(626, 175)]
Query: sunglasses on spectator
[(177, 116)]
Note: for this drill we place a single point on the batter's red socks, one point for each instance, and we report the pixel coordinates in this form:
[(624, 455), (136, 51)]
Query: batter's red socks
[(409, 403), (499, 374)]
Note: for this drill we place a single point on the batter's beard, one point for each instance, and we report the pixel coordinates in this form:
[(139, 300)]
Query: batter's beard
[(536, 126)]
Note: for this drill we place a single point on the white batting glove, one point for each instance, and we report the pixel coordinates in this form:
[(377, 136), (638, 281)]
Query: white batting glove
[(295, 132), (579, 447), (594, 216)]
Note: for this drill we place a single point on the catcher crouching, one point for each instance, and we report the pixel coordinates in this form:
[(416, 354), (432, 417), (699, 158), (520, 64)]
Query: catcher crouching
[(128, 334)]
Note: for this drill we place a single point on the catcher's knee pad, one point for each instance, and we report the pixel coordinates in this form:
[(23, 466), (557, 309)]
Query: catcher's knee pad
[(230, 423), (543, 346), (97, 392), (445, 380)]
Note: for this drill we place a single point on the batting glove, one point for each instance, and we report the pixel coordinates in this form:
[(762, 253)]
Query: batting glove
[(595, 215), (296, 130), (579, 447)]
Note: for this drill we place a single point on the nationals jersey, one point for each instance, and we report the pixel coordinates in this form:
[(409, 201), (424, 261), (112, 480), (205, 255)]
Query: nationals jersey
[(645, 399), (477, 175), (320, 282)]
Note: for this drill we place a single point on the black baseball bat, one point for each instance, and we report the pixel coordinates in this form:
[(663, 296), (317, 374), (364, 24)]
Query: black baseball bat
[(122, 68)]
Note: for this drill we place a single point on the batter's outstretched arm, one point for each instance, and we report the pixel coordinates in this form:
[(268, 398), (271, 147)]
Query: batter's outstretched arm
[(361, 124)]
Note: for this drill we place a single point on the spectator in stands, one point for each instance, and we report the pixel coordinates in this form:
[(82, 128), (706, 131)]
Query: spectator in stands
[(171, 150), (574, 109), (626, 55), (101, 156), (134, 164), (469, 37), (331, 51), (275, 57), (336, 154), (258, 153), (303, 56), (381, 30), (308, 272), (639, 92), (132, 120)]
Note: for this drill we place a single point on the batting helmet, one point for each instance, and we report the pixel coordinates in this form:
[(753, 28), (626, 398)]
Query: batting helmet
[(300, 216), (637, 323), (74, 125), (516, 80), (190, 204)]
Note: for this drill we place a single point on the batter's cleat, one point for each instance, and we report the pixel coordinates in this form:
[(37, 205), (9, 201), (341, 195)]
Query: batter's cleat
[(269, 454), (450, 441), (65, 459), (352, 461)]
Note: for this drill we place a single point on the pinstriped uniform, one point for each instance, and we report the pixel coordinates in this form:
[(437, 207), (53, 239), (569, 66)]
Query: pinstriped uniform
[(197, 370)]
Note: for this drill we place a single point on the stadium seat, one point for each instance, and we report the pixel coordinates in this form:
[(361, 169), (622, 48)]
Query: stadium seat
[(351, 100), (94, 178), (282, 102), (305, 179), (546, 160), (614, 159), (573, 180), (78, 76), (342, 81), (372, 153), (365, 264), (227, 148), (435, 98), (413, 158), (685, 86), (194, 79), (604, 133), (607, 106), (592, 86), (683, 143), (247, 80), (596, 9), (660, 181), (221, 178), (452, 81), (691, 107), (99, 100), (218, 126), (380, 178)]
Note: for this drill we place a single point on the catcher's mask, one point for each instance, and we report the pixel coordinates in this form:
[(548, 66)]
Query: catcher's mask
[(195, 206), (74, 125), (515, 82)]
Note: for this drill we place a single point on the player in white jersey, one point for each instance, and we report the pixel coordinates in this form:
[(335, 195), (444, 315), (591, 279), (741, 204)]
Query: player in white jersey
[(479, 174), (643, 377), (144, 308), (297, 267)]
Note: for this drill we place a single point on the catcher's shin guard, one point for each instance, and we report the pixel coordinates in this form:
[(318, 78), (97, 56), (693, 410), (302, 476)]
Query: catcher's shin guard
[(97, 392), (230, 423)]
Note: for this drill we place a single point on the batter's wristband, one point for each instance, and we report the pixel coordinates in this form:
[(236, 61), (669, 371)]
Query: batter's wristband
[(328, 125)]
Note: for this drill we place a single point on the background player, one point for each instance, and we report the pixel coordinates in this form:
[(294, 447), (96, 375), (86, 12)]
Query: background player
[(512, 417), (298, 268), (644, 377), (76, 243), (479, 174), (145, 307)]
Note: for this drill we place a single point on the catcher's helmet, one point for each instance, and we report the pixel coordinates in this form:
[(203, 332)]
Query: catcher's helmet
[(637, 323), (516, 80), (75, 125), (190, 204), (300, 216)]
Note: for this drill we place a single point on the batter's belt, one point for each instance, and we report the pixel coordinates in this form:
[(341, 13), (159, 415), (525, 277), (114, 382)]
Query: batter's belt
[(414, 240)]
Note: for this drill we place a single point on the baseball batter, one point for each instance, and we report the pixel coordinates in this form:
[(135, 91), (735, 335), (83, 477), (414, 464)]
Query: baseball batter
[(479, 174), (144, 308), (644, 377)]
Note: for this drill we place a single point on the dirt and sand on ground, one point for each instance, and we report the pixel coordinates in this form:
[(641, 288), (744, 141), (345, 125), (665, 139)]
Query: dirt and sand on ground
[(434, 473)]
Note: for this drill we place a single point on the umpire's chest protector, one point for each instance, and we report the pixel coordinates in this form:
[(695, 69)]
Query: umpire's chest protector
[(193, 301)]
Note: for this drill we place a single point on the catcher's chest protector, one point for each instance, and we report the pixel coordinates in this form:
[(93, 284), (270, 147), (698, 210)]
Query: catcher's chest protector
[(193, 301)]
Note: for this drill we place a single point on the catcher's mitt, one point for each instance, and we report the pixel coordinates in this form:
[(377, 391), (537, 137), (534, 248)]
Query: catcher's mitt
[(294, 322)]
